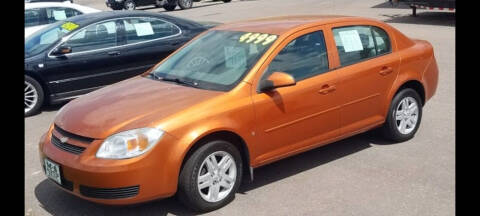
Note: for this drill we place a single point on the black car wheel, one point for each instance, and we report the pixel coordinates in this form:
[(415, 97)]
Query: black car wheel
[(185, 4), (404, 116), (129, 5), (210, 176), (170, 5), (33, 96)]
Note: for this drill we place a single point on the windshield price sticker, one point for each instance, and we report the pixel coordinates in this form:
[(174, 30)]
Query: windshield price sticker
[(69, 26), (257, 38)]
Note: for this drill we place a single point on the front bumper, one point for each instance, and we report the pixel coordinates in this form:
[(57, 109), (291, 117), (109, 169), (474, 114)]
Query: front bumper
[(114, 182), (114, 3)]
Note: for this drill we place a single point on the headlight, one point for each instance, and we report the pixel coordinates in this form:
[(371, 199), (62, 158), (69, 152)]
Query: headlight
[(128, 144)]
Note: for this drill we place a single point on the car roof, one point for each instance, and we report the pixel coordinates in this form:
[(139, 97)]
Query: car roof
[(46, 4), (86, 19), (282, 24)]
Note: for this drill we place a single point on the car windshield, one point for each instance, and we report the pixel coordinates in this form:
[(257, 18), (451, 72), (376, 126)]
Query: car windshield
[(44, 38), (218, 60)]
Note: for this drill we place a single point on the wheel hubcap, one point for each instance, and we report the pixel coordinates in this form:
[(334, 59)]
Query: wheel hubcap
[(406, 115), (217, 176), (31, 96), (187, 3), (130, 6)]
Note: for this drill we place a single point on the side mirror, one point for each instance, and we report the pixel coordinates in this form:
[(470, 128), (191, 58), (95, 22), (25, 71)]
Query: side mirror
[(276, 80), (62, 50)]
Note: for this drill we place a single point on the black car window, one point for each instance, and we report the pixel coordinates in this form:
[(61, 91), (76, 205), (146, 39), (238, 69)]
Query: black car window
[(302, 58), (96, 36), (55, 14), (354, 44), (33, 17), (382, 40), (144, 29)]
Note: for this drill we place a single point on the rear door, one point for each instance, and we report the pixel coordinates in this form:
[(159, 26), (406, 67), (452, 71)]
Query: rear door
[(148, 40), (367, 67)]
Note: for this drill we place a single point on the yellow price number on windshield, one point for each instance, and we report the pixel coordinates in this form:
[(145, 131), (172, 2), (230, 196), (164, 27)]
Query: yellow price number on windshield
[(256, 38), (69, 26)]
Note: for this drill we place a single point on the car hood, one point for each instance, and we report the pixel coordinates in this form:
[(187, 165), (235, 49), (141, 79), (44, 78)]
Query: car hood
[(134, 103)]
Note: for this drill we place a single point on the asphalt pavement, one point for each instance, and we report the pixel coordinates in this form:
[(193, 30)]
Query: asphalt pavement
[(362, 175)]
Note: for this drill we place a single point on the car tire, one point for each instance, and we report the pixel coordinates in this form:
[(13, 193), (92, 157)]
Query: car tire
[(197, 165), (226, 1), (185, 4), (404, 116), (170, 5), (33, 96), (129, 5)]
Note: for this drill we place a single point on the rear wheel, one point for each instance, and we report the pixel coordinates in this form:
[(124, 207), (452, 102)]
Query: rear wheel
[(404, 116), (33, 96), (185, 4), (210, 176)]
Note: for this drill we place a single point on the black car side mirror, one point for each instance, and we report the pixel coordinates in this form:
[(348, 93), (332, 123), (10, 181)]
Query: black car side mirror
[(62, 50)]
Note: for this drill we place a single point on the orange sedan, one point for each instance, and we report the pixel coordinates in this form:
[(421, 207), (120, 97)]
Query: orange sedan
[(237, 97)]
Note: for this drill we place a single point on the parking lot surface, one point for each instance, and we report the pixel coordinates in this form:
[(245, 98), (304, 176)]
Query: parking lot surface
[(362, 175)]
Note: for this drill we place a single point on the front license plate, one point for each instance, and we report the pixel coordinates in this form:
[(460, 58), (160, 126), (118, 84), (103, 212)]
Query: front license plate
[(52, 170)]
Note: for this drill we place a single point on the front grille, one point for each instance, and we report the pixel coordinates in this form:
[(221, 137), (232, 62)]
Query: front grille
[(67, 147), (66, 184), (73, 136), (109, 193)]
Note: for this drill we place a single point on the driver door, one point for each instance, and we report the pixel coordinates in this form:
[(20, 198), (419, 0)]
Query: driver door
[(93, 62), (290, 119)]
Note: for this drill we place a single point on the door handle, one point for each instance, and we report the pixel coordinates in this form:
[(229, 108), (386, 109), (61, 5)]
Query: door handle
[(385, 71), (327, 89), (114, 53)]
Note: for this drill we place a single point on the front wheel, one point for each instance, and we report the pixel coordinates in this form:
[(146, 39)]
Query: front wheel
[(129, 5), (170, 5), (210, 176), (404, 116), (185, 4)]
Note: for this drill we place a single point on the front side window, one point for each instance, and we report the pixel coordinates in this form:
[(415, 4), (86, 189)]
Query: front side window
[(144, 29), (96, 36), (46, 37), (33, 17), (217, 60), (302, 58), (60, 13)]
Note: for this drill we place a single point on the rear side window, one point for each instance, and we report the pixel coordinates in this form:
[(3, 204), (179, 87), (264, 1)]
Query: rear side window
[(382, 40), (304, 57), (358, 43), (145, 29), (96, 36), (60, 13), (32, 17)]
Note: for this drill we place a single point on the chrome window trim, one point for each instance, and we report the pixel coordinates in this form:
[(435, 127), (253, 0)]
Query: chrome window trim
[(65, 39)]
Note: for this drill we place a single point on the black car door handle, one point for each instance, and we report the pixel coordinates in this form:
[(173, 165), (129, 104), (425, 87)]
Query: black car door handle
[(114, 53)]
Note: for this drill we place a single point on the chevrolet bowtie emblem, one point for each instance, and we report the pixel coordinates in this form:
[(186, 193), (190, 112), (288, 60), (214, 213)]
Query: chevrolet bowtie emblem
[(64, 139)]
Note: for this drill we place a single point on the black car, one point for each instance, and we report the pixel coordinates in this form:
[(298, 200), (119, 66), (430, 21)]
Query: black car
[(168, 5), (86, 52)]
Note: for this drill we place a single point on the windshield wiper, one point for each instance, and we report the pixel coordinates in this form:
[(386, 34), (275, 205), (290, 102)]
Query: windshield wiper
[(179, 81)]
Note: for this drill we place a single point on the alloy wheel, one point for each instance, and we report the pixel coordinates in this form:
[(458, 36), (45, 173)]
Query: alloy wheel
[(406, 115), (31, 96), (217, 176)]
